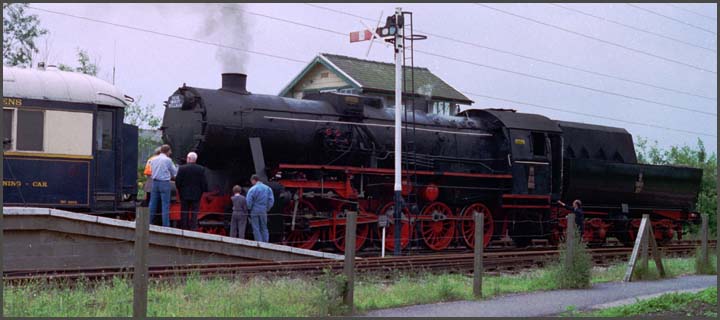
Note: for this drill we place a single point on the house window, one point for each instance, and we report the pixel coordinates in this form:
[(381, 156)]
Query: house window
[(104, 130), (444, 108), (324, 75), (30, 130), (7, 130)]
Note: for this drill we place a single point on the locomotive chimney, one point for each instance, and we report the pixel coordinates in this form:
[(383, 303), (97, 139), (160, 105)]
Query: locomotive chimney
[(234, 82)]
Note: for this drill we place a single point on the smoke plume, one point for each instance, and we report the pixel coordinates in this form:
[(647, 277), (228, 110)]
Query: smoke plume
[(227, 24)]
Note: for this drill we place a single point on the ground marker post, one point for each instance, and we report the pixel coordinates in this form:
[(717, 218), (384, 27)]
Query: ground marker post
[(704, 259), (655, 249), (570, 241), (478, 265), (644, 238), (140, 272), (349, 268)]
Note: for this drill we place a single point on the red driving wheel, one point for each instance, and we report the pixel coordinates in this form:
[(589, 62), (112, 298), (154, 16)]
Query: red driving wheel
[(437, 232), (405, 228), (467, 227), (301, 236), (337, 228)]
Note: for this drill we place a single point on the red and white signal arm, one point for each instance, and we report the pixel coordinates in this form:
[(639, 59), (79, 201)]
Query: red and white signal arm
[(363, 35)]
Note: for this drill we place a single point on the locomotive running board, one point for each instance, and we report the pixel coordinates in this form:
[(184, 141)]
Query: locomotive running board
[(525, 201)]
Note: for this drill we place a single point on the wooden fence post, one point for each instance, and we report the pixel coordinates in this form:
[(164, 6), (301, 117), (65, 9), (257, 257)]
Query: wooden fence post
[(478, 261), (704, 258), (570, 241), (140, 272), (645, 243), (349, 267), (2, 283)]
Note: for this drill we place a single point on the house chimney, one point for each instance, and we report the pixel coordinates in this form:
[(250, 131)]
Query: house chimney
[(234, 82)]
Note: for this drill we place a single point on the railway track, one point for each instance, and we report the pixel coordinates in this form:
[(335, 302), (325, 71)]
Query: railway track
[(512, 261)]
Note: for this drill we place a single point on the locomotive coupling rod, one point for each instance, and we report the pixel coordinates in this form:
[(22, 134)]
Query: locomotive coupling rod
[(297, 202)]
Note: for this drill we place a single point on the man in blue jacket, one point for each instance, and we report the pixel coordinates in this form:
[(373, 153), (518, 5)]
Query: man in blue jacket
[(259, 201)]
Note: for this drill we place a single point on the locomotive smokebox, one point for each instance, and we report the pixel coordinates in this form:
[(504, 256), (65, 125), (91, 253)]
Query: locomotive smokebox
[(234, 82)]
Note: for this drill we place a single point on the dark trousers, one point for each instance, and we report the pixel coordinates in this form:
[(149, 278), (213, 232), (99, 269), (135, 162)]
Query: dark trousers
[(146, 201), (189, 214), (580, 224), (238, 223)]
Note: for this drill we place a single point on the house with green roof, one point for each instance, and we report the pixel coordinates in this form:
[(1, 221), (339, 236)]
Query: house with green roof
[(336, 73)]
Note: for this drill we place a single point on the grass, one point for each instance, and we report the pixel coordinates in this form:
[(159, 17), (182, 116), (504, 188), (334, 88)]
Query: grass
[(700, 304), (283, 296)]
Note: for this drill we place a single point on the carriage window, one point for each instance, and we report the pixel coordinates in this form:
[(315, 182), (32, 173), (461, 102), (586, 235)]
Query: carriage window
[(7, 131), (30, 129), (104, 130), (538, 144)]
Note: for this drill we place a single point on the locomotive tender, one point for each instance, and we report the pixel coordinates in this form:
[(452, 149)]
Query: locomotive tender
[(65, 144), (329, 152)]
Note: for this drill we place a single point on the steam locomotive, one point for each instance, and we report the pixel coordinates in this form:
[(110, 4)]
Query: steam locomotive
[(331, 152)]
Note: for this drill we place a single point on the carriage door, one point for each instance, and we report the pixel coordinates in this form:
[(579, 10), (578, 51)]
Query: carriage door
[(105, 149)]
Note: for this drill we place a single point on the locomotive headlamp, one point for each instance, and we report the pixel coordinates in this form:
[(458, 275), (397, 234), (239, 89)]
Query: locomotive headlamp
[(176, 101)]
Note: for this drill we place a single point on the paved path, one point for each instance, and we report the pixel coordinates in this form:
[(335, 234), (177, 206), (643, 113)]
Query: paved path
[(549, 302)]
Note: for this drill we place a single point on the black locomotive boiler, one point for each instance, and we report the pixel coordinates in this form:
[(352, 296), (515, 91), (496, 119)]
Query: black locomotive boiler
[(329, 152)]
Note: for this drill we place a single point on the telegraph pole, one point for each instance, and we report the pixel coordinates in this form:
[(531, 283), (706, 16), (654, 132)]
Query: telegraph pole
[(398, 127)]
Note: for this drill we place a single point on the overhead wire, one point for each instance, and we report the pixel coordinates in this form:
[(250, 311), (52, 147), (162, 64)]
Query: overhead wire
[(632, 27), (587, 114), (670, 18), (615, 44), (497, 68), (124, 26), (691, 11), (339, 33), (511, 53)]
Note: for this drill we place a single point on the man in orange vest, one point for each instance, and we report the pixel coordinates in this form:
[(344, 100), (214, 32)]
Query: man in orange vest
[(147, 187)]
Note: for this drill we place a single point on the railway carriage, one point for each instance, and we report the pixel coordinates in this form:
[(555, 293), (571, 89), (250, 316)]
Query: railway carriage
[(329, 152), (65, 144)]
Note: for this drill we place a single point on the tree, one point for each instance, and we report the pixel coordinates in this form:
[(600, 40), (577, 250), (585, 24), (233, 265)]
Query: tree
[(86, 66), (695, 157), (20, 30), (141, 115)]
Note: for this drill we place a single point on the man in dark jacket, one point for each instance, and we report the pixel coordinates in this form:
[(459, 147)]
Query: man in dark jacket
[(579, 215), (190, 183)]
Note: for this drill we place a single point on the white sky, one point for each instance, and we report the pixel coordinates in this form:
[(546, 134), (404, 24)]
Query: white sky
[(153, 66)]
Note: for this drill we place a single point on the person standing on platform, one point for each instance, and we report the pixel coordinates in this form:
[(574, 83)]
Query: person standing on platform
[(163, 170), (147, 187), (239, 219), (579, 215), (191, 184), (259, 201)]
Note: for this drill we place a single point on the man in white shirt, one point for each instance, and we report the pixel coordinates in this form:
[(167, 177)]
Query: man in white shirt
[(163, 170)]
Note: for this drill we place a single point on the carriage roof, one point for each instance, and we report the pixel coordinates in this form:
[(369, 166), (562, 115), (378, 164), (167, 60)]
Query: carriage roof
[(56, 85)]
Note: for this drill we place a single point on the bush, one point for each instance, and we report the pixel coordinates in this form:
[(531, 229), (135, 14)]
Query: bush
[(577, 275), (705, 267)]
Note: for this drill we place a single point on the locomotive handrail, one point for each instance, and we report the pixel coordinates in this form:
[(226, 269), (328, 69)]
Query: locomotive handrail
[(381, 171), (481, 134)]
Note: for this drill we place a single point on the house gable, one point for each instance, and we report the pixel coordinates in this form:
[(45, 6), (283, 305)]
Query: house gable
[(328, 72)]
